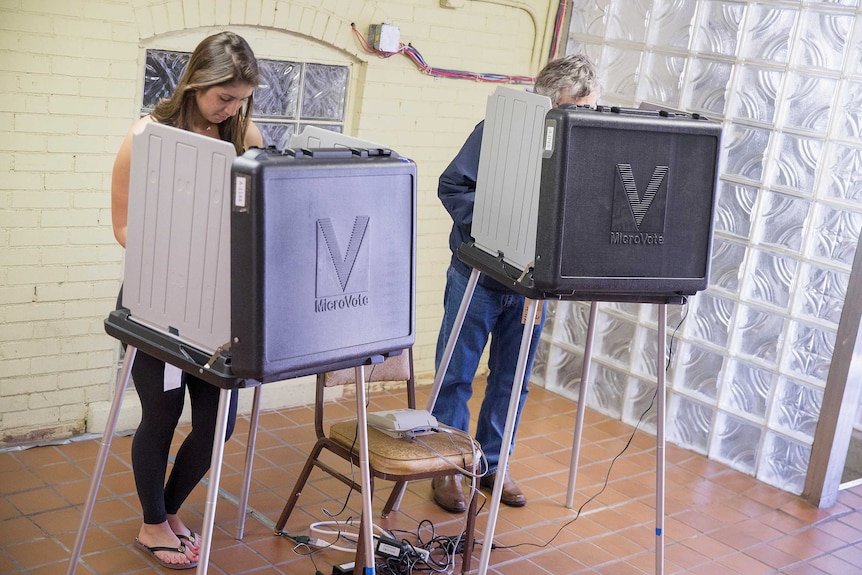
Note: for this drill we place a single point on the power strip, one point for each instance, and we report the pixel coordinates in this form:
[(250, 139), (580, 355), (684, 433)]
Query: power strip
[(388, 548)]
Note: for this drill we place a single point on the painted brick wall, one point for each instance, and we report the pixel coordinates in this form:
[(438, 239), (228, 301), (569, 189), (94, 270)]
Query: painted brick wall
[(70, 87)]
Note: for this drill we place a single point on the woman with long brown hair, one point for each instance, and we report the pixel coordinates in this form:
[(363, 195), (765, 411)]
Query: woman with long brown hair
[(214, 97)]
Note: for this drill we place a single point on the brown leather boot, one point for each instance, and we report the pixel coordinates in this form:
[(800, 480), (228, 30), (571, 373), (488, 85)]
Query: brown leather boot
[(448, 493), (511, 496)]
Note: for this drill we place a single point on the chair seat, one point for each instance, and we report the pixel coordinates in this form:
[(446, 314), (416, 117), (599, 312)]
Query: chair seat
[(396, 456), (400, 460)]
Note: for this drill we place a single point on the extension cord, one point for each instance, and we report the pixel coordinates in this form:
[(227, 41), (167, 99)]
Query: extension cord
[(459, 549), (305, 540), (315, 542), (423, 554)]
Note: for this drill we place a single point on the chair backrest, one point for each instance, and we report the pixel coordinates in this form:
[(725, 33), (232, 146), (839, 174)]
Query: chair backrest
[(394, 368)]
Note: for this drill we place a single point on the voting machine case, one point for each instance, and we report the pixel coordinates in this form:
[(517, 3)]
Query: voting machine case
[(626, 204), (323, 259)]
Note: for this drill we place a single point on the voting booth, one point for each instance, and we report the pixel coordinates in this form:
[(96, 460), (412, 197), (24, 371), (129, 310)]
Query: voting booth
[(279, 263), (606, 203), (270, 266), (589, 204), (322, 259)]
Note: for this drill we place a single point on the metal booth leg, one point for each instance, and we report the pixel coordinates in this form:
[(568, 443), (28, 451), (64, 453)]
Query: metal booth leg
[(214, 479), (660, 427), (249, 461), (660, 440), (582, 405), (514, 400), (508, 434), (365, 552), (104, 450), (453, 338)]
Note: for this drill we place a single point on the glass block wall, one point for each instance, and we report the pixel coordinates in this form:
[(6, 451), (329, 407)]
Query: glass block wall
[(750, 358), (290, 96)]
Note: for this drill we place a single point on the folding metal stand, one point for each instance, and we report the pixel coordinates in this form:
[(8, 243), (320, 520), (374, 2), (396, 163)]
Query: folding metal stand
[(367, 544), (251, 444), (181, 356), (104, 451), (102, 458), (660, 426), (514, 400)]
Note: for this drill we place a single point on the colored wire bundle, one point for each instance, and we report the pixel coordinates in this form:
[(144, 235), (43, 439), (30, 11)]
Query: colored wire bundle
[(558, 25), (411, 52)]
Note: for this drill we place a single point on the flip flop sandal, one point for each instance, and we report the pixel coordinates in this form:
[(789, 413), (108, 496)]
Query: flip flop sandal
[(151, 551), (193, 538)]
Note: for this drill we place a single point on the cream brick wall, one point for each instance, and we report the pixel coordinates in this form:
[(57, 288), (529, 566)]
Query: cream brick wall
[(70, 87)]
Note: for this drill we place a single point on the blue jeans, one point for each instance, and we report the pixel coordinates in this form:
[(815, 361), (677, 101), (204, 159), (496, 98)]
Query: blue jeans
[(498, 315)]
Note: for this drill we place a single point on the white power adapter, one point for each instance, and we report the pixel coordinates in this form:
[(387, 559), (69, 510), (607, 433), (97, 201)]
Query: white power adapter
[(403, 422)]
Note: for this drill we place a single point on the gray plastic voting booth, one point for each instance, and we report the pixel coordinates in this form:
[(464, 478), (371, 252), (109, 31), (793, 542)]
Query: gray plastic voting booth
[(228, 259), (576, 203)]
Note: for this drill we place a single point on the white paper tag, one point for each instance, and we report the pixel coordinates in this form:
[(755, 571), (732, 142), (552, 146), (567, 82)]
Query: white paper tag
[(239, 194), (537, 319), (549, 138), (173, 377)]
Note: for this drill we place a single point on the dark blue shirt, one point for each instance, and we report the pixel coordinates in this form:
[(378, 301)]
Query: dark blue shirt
[(457, 190)]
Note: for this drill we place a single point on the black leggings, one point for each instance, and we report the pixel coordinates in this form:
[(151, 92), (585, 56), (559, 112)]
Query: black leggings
[(160, 412)]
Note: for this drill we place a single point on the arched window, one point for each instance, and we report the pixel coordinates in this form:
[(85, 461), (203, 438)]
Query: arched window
[(291, 95)]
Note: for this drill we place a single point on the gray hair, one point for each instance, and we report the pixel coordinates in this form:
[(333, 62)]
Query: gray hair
[(574, 75)]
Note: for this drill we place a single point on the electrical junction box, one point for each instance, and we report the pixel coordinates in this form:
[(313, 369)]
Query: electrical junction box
[(384, 37)]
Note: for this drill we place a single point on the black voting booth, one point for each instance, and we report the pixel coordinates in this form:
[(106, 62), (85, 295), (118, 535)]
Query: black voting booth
[(624, 210), (323, 257), (321, 268), (621, 210), (321, 276)]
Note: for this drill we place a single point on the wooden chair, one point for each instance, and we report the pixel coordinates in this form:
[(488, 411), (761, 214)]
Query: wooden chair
[(393, 459)]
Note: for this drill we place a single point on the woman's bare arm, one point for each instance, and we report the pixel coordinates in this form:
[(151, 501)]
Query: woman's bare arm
[(120, 183)]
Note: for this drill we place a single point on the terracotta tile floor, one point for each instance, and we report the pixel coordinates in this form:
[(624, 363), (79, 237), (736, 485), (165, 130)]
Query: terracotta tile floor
[(718, 521)]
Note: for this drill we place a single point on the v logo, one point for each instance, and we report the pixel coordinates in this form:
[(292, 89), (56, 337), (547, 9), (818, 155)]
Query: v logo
[(343, 263), (639, 205)]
